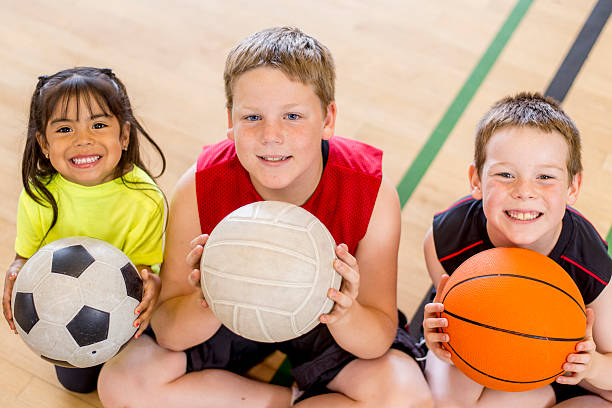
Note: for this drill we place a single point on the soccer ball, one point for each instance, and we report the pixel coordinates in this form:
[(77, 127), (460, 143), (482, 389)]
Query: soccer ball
[(266, 270), (73, 301)]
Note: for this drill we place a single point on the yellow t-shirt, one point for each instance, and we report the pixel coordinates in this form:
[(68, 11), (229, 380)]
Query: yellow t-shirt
[(129, 216)]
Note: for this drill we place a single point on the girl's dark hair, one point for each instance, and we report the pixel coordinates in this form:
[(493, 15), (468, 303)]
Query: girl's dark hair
[(78, 84)]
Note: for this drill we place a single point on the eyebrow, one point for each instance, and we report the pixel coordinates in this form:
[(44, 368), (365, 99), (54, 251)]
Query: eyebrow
[(92, 117), (541, 166)]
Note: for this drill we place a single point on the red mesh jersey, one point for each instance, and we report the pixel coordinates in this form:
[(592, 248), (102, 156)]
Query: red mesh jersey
[(343, 200)]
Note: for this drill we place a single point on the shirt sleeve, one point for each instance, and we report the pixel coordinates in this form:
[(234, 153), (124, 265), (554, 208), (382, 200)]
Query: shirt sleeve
[(145, 242), (29, 226)]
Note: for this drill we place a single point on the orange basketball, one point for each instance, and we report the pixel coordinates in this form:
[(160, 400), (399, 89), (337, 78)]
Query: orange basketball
[(513, 317)]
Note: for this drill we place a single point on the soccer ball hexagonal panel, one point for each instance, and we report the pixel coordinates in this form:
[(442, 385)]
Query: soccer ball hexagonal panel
[(71, 261), (89, 326)]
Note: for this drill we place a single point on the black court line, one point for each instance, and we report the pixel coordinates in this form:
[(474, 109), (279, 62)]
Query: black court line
[(577, 55)]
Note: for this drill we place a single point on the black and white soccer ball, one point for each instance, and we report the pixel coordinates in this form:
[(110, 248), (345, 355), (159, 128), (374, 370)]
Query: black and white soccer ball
[(73, 301)]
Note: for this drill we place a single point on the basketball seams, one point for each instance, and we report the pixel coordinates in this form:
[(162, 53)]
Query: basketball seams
[(515, 276), (531, 336), (502, 379)]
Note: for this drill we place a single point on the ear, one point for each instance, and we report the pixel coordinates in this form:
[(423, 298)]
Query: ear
[(574, 189), (329, 123), (124, 139), (42, 142), (475, 184), (230, 125)]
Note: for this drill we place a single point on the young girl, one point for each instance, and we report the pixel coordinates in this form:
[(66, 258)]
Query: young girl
[(83, 176)]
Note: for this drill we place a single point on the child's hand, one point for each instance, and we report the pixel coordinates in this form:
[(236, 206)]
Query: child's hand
[(193, 260), (152, 287), (346, 266), (9, 282), (434, 338), (578, 365)]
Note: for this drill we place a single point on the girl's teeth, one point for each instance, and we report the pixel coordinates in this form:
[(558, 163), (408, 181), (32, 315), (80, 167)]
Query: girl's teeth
[(85, 160), (274, 158)]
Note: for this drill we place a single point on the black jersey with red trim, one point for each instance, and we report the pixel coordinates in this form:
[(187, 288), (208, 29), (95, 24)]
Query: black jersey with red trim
[(460, 232)]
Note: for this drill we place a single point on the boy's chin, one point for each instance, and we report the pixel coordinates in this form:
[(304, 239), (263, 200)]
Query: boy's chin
[(527, 242)]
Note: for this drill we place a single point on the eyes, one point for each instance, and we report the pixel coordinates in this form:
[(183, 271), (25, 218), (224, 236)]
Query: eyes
[(68, 129), (506, 176), (288, 116)]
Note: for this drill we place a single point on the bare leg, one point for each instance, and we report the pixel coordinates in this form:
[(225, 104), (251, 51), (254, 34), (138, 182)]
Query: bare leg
[(393, 380), (147, 375), (451, 388), (540, 397)]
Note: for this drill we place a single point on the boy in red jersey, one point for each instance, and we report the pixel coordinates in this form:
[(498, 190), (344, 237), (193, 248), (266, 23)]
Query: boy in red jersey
[(281, 114), (526, 172)]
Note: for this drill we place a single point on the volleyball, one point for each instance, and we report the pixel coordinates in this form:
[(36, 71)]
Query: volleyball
[(266, 271)]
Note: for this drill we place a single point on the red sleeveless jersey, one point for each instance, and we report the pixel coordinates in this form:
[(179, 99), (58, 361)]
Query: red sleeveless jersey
[(343, 201)]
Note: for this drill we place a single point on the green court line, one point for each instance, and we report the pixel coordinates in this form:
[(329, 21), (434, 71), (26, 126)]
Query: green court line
[(609, 240), (439, 135), (283, 374)]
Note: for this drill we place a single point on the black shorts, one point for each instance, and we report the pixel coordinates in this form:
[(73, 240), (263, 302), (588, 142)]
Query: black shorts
[(315, 357), (83, 380), (564, 392)]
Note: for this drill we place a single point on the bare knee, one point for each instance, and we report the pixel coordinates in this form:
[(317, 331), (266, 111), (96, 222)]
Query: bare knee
[(132, 378), (400, 382), (117, 385)]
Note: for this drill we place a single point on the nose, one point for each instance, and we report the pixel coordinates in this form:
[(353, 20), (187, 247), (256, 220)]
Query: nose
[(272, 132), (83, 137), (524, 189)]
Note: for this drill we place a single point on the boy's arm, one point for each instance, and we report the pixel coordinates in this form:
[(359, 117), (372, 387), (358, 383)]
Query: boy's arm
[(434, 267), (431, 322), (600, 372), (180, 321), (368, 326)]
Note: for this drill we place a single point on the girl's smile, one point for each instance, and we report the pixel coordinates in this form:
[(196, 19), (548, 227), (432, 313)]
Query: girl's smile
[(84, 145)]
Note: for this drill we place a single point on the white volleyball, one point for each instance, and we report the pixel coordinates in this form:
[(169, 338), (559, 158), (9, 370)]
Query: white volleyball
[(266, 271)]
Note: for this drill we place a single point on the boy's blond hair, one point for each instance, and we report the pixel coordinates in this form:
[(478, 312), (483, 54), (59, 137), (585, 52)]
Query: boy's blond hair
[(534, 110), (298, 55)]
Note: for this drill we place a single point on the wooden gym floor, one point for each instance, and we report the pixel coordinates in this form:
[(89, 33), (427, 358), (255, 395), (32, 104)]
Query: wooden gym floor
[(400, 65)]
